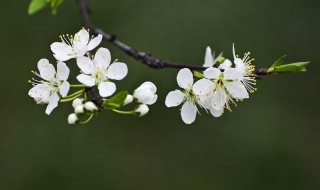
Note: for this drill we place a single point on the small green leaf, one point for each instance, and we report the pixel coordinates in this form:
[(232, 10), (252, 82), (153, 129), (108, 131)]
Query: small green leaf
[(55, 5), (279, 62), (291, 68), (116, 101), (37, 5)]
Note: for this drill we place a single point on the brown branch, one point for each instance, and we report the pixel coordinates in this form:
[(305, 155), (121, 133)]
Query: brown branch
[(146, 58)]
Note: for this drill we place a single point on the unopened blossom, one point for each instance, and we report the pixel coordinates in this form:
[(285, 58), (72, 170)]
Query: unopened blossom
[(79, 109), (90, 106), (211, 61), (99, 72), (73, 119), (142, 110), (77, 102), (74, 46), (146, 93), (47, 90), (187, 97), (128, 100)]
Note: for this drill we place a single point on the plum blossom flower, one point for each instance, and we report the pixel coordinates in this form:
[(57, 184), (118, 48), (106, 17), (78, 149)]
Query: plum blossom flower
[(99, 71), (73, 119), (211, 61), (218, 89), (146, 93), (187, 97), (142, 110), (72, 47), (46, 91), (247, 69)]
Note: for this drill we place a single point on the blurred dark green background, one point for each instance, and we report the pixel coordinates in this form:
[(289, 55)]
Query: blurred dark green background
[(271, 141)]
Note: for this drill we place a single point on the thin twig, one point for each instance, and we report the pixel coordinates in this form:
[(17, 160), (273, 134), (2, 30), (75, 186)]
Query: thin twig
[(144, 57)]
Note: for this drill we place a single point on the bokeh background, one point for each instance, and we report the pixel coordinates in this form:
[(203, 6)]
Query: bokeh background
[(270, 141)]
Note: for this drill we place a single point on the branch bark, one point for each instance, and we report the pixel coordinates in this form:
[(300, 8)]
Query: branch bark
[(144, 57)]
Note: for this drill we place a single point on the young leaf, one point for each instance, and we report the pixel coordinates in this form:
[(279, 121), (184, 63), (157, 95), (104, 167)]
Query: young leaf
[(116, 101), (291, 68), (55, 5), (279, 62), (36, 5)]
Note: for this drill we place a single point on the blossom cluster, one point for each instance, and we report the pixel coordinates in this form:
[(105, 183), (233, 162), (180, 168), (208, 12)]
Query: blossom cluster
[(97, 73), (223, 83)]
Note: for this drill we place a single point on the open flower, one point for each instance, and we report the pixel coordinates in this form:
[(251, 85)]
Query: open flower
[(46, 91), (218, 89), (99, 72), (146, 93), (72, 47), (175, 98), (247, 69)]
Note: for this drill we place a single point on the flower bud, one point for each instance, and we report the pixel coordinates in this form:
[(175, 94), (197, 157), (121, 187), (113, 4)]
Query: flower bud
[(77, 102), (128, 100), (72, 119), (90, 106), (142, 110), (146, 93), (79, 109)]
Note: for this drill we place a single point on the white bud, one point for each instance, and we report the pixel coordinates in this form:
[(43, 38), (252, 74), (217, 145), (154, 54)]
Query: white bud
[(90, 106), (77, 102), (128, 100), (142, 110), (79, 109), (72, 119), (146, 93)]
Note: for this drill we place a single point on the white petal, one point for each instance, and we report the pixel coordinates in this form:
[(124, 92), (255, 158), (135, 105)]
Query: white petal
[(185, 78), (102, 58), (53, 103), (40, 91), (212, 73), (106, 89), (189, 112), (86, 80), (205, 101), (46, 69), (117, 71), (62, 51), (237, 90), (86, 65), (80, 42), (203, 86), (94, 42), (233, 74), (62, 71), (216, 113), (208, 60), (174, 98), (238, 62), (151, 100), (64, 88), (219, 99), (147, 85), (226, 64)]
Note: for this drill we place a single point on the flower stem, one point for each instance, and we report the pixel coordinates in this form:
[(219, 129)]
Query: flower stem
[(86, 121), (71, 99), (74, 94), (123, 112), (77, 86)]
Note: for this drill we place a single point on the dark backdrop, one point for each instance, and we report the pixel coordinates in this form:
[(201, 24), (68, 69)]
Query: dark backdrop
[(271, 141)]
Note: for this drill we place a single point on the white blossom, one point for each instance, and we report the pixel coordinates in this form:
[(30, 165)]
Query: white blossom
[(46, 91), (79, 109), (142, 110), (187, 97), (99, 71), (72, 47), (73, 119), (146, 93), (211, 61), (77, 102), (128, 100), (90, 106)]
